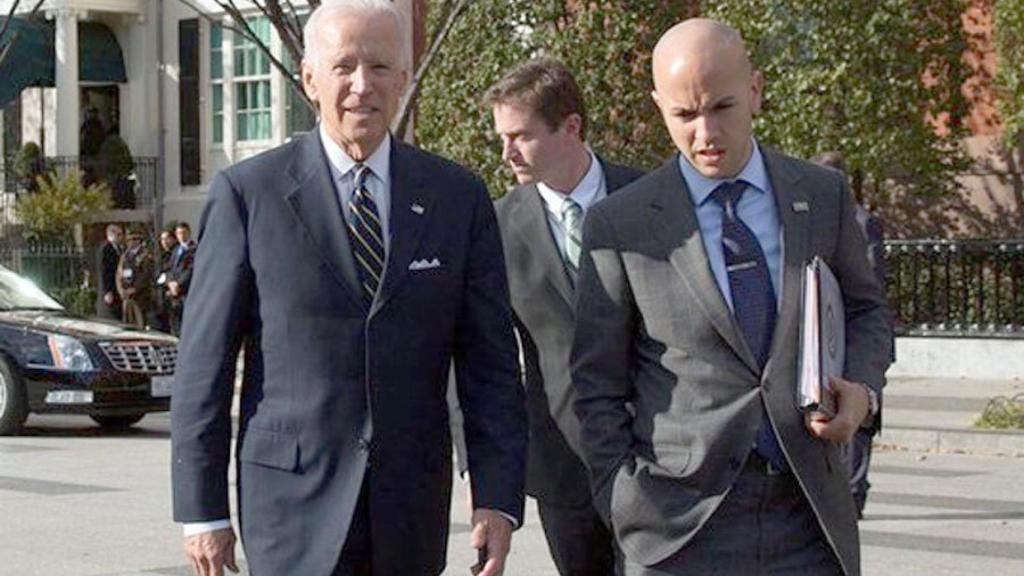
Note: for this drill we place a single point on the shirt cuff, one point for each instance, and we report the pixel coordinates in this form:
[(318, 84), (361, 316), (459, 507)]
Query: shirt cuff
[(193, 528), (511, 519)]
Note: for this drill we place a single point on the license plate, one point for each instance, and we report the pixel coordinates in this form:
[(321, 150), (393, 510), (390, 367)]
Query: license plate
[(160, 386)]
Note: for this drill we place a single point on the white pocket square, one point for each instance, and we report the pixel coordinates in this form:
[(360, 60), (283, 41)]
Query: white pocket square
[(424, 264)]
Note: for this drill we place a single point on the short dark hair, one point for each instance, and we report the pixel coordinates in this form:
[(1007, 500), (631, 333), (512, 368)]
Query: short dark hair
[(183, 224), (546, 87)]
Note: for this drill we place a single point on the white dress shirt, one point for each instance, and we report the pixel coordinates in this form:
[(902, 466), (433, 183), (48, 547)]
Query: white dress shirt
[(378, 182), (587, 192), (756, 208)]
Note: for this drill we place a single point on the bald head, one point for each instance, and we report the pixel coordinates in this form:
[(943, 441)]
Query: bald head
[(697, 46), (708, 95)]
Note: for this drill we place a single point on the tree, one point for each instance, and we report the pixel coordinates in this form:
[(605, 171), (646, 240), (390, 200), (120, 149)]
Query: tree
[(1009, 22), (60, 203), (879, 82), (606, 43)]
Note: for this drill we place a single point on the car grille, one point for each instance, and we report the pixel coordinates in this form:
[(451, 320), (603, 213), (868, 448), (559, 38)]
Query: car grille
[(145, 357)]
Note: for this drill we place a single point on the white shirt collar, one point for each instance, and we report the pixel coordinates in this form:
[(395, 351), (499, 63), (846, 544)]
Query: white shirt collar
[(701, 186), (341, 163), (586, 192)]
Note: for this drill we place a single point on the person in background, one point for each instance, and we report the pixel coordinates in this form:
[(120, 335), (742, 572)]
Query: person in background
[(540, 116), (166, 243), (134, 280), (857, 453), (108, 302), (179, 275)]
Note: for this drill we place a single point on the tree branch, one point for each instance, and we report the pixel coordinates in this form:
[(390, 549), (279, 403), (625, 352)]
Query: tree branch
[(412, 92)]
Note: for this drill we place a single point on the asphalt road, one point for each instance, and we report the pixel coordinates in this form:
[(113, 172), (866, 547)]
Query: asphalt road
[(77, 501)]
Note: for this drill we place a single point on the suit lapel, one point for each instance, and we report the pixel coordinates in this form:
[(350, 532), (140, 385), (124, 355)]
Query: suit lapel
[(411, 202), (534, 232), (314, 201), (675, 225), (793, 205)]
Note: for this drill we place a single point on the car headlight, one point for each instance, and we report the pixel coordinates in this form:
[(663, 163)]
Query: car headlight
[(69, 353)]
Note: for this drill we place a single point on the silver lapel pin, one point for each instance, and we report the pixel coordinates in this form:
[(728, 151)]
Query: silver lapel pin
[(417, 208), (801, 207)]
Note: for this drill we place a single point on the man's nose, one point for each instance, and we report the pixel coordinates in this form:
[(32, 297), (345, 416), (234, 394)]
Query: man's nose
[(360, 80), (508, 150)]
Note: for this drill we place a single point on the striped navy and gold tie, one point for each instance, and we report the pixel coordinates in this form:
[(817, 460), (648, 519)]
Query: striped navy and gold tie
[(366, 235)]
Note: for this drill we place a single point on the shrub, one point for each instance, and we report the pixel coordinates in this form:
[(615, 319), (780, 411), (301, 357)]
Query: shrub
[(62, 202)]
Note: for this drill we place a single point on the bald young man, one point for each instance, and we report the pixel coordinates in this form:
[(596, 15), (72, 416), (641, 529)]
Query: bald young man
[(685, 351)]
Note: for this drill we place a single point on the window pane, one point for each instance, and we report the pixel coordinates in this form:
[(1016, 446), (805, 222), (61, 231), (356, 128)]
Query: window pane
[(216, 54), (218, 113)]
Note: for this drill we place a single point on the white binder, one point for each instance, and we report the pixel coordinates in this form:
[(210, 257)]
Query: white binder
[(822, 338)]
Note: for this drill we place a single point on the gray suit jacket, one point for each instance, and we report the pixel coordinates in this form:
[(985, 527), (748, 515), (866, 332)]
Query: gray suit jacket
[(654, 330), (543, 300), (335, 390)]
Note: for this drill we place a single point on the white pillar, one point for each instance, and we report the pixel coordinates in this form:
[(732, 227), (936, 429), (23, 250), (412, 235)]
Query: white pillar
[(66, 65)]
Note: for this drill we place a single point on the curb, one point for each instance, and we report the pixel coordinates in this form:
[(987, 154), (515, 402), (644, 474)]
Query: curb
[(983, 442)]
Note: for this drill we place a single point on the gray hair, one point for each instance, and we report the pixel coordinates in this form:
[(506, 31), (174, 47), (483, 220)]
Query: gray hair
[(331, 7)]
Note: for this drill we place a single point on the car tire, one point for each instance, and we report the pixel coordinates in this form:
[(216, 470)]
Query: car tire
[(13, 403), (117, 422)]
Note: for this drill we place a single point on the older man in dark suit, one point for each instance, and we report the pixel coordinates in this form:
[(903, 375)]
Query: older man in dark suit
[(540, 116), (685, 356), (354, 269)]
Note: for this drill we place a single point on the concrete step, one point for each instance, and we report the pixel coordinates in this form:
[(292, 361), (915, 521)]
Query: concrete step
[(938, 415)]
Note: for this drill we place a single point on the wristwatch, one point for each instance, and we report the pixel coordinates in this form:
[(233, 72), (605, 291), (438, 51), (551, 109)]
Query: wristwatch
[(872, 405)]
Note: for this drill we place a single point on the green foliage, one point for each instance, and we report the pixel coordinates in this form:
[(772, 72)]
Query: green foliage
[(606, 44), (60, 203), (866, 79), (1009, 24), (869, 79), (79, 300), (28, 164), (485, 42), (1002, 413)]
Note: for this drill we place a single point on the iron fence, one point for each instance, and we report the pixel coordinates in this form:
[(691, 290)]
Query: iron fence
[(957, 288), (137, 190), (53, 267)]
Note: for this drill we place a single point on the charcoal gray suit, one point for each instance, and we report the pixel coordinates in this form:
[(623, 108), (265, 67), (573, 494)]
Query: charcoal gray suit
[(543, 299), (339, 397), (669, 394)]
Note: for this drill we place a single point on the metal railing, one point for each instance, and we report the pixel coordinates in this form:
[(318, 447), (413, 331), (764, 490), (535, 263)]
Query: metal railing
[(957, 287), (50, 266), (139, 190)]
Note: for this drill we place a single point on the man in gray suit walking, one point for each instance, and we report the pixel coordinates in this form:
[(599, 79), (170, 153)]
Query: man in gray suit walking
[(685, 351), (541, 117)]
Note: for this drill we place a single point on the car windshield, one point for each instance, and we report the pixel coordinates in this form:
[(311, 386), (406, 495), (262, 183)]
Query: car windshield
[(19, 293)]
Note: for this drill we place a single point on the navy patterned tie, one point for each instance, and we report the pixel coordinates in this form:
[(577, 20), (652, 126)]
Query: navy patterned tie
[(753, 297), (366, 235)]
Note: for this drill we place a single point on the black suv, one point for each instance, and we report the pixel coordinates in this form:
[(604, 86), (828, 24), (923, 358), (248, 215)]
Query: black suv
[(54, 362)]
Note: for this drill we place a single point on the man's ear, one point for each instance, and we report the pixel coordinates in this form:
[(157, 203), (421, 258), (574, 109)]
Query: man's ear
[(307, 80), (573, 124), (756, 91)]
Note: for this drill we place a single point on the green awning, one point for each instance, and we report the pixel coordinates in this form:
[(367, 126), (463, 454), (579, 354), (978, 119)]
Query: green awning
[(29, 60)]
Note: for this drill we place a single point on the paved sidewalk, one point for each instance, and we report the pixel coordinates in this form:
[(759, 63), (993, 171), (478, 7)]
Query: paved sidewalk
[(933, 414)]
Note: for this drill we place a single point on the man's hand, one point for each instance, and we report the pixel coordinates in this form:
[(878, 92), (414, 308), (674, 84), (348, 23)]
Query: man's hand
[(108, 298), (852, 406), (210, 552), (173, 288), (492, 533)]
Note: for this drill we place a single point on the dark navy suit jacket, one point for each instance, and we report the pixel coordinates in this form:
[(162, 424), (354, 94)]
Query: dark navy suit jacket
[(335, 390)]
